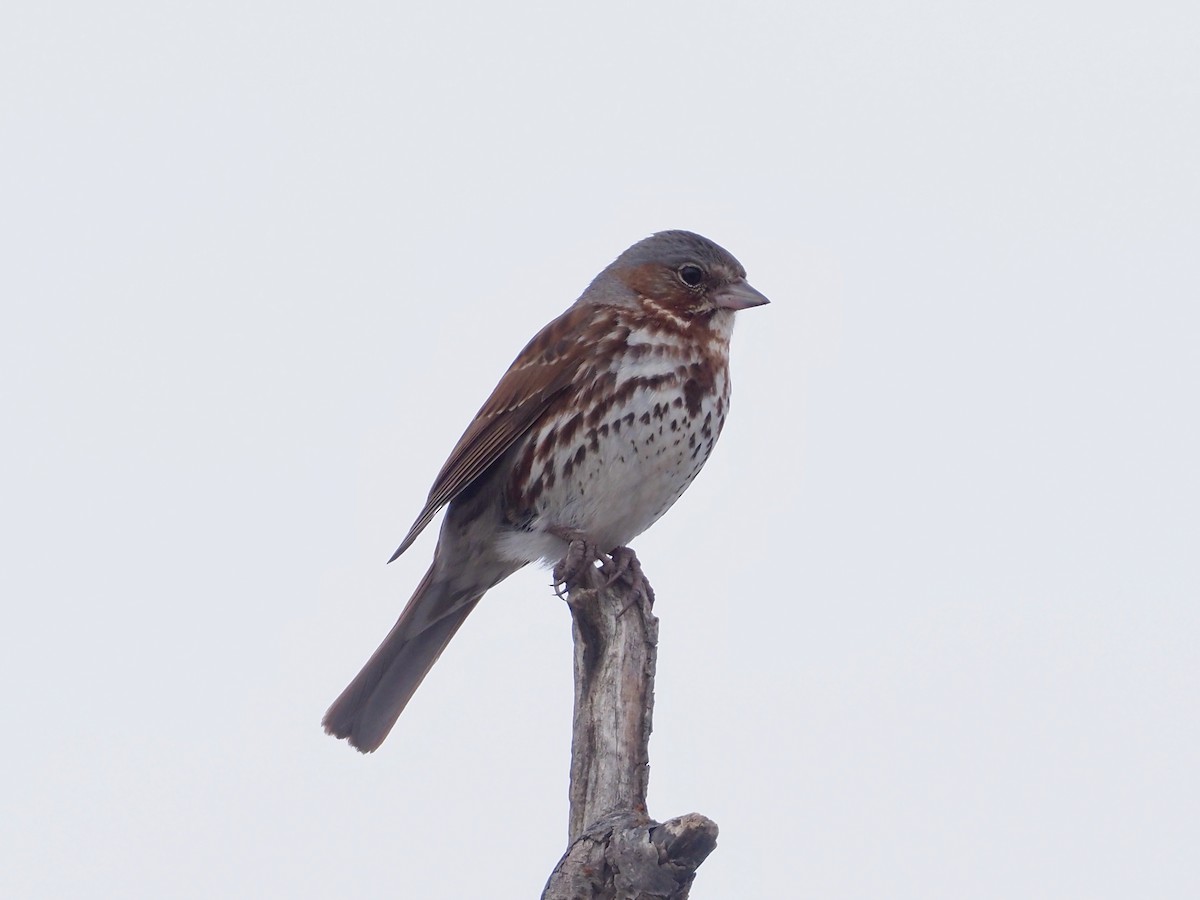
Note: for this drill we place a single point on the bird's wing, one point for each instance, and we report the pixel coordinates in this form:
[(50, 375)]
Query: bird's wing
[(546, 367)]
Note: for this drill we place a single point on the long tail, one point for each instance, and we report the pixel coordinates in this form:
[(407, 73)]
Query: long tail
[(369, 707)]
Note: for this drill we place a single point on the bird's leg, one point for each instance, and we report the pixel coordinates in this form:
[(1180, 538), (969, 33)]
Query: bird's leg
[(572, 569), (623, 565)]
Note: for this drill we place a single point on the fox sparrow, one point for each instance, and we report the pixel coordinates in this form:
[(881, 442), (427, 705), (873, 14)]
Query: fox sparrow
[(594, 431)]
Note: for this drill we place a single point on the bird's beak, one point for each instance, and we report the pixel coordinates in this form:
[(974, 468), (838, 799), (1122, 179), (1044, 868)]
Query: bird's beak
[(738, 295)]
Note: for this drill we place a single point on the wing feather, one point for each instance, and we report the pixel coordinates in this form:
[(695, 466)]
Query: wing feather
[(544, 369)]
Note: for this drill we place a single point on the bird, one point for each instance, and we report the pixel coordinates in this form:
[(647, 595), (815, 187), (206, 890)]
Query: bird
[(596, 429)]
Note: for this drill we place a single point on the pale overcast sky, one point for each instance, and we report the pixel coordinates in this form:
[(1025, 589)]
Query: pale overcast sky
[(930, 616)]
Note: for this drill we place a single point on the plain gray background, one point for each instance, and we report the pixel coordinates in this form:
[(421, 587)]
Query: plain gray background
[(930, 616)]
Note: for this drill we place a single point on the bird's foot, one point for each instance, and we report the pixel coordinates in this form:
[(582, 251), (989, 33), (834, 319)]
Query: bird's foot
[(576, 567), (623, 565)]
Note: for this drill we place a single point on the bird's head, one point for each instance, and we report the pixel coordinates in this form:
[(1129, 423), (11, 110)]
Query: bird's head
[(678, 274)]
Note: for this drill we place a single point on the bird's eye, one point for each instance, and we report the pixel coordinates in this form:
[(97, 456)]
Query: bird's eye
[(691, 275)]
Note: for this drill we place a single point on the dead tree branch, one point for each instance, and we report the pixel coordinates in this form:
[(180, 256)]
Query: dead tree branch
[(616, 851)]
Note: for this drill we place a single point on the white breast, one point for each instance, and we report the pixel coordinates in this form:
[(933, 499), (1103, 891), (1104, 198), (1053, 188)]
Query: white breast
[(613, 481)]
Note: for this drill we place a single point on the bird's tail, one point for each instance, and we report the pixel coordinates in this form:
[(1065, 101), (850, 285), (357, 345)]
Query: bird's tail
[(370, 705)]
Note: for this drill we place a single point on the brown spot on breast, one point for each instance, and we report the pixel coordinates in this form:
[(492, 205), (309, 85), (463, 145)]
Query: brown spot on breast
[(546, 447), (570, 427), (534, 492), (603, 396), (693, 394)]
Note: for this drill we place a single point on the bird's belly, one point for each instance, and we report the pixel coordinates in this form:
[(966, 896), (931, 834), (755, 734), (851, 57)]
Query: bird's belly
[(611, 482)]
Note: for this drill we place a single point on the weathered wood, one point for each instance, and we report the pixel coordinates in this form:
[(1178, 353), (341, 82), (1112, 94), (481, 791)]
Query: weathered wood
[(616, 851), (616, 647), (624, 856)]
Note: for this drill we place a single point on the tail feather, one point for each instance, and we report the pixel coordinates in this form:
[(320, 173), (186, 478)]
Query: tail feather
[(370, 705)]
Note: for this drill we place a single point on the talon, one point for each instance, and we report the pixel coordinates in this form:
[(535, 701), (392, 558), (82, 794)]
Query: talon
[(581, 556), (629, 569), (623, 561)]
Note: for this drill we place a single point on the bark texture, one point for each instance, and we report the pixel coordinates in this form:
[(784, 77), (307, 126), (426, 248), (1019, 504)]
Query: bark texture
[(616, 851)]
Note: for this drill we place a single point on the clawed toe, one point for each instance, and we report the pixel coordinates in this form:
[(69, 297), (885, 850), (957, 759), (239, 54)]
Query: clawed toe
[(624, 566), (578, 569), (569, 573), (621, 563)]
